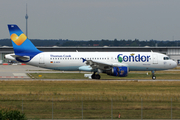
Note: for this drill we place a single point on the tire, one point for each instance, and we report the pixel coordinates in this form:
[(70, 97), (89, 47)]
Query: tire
[(93, 76), (154, 77), (98, 76)]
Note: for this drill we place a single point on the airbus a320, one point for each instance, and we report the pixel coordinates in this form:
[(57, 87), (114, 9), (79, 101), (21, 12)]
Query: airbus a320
[(111, 63)]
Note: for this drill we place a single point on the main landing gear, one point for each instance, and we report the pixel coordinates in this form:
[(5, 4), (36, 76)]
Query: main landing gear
[(153, 75), (95, 76)]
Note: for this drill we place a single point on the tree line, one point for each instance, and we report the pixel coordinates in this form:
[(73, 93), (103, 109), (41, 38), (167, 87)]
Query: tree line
[(95, 43)]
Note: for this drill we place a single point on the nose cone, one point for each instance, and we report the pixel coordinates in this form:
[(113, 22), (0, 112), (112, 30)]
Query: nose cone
[(173, 64)]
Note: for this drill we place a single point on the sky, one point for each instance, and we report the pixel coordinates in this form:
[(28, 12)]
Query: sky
[(93, 19)]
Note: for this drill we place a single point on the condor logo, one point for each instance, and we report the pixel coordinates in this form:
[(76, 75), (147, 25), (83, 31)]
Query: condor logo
[(133, 58), (18, 40)]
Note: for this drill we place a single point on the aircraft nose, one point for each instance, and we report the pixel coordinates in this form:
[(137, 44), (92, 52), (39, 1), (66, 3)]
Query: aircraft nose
[(174, 64)]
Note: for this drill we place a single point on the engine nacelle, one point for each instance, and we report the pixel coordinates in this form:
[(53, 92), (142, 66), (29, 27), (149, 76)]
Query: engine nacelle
[(118, 71)]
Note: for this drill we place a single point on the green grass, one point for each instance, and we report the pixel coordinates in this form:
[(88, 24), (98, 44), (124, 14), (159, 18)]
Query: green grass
[(95, 109), (90, 88), (67, 96), (132, 75)]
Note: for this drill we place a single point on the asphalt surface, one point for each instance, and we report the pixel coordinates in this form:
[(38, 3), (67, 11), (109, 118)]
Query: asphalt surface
[(17, 71)]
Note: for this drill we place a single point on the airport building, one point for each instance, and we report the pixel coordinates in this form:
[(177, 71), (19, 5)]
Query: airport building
[(172, 52)]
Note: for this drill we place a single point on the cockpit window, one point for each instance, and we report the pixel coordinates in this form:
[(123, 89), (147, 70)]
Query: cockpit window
[(166, 58)]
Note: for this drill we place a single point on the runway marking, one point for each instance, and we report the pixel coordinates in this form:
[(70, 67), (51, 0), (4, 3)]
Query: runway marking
[(19, 74), (16, 75), (13, 77)]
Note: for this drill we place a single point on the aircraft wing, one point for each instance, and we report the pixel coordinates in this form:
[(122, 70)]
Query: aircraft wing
[(102, 65)]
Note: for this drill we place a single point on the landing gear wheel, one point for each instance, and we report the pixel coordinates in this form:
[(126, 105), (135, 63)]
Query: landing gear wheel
[(153, 77), (95, 76), (98, 76)]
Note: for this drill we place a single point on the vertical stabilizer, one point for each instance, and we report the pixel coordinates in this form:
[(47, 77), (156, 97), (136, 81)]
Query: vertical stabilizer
[(21, 44)]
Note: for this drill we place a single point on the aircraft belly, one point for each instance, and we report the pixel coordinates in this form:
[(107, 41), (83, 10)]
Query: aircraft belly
[(145, 68)]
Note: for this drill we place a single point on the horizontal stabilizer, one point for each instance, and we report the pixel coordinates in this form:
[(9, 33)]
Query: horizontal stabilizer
[(17, 57), (23, 58)]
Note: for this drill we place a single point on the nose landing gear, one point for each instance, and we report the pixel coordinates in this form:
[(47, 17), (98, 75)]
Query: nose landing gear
[(153, 75)]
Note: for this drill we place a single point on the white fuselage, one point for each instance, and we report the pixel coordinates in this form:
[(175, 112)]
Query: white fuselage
[(135, 61)]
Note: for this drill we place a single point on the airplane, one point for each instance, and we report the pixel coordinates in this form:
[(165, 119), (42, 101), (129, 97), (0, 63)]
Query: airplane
[(111, 63)]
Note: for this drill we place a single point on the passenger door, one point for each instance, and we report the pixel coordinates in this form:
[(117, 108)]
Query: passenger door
[(155, 59), (41, 59)]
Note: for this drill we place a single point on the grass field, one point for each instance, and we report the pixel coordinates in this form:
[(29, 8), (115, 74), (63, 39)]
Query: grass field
[(98, 98), (132, 75)]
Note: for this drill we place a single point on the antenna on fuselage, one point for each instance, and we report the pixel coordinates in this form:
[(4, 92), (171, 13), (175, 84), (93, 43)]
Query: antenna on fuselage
[(26, 17)]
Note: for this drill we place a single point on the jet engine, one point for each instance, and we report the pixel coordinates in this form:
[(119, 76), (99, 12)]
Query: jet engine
[(118, 71)]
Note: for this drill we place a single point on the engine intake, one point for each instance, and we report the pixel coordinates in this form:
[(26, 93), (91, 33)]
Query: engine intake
[(118, 71)]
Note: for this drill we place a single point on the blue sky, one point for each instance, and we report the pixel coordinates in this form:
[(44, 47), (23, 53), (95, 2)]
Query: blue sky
[(93, 19)]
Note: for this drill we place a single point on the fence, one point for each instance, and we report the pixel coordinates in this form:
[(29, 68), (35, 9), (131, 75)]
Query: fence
[(49, 107)]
